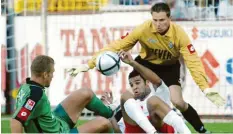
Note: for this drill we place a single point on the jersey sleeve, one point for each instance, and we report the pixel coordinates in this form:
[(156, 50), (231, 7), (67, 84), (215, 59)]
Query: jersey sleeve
[(29, 106), (192, 60), (162, 92), (125, 44)]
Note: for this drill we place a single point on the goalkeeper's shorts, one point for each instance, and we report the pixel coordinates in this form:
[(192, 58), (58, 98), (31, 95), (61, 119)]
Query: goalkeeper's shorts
[(170, 74)]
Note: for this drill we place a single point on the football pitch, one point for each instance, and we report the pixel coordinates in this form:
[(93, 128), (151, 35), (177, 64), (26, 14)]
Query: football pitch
[(213, 127)]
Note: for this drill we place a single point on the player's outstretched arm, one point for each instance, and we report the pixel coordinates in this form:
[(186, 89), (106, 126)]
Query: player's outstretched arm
[(196, 69), (145, 72), (16, 126), (125, 43)]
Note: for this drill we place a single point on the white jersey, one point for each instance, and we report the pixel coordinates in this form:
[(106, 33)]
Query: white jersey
[(162, 92)]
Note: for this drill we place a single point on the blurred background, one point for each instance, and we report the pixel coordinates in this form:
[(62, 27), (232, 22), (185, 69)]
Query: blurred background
[(71, 31)]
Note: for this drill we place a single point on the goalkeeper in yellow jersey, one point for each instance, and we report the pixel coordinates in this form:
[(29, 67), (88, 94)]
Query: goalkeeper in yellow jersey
[(162, 43)]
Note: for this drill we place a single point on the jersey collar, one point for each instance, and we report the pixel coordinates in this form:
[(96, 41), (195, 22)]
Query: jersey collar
[(169, 32), (28, 81)]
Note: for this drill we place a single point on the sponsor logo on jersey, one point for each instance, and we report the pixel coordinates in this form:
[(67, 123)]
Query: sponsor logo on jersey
[(170, 45), (23, 114), (161, 54), (152, 41), (191, 48), (30, 104)]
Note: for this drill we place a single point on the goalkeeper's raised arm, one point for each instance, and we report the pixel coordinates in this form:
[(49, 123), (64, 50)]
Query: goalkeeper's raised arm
[(122, 44), (125, 44)]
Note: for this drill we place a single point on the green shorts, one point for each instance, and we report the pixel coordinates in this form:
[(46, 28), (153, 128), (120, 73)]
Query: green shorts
[(61, 113)]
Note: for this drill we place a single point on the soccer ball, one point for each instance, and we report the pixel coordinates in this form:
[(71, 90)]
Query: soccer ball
[(108, 63)]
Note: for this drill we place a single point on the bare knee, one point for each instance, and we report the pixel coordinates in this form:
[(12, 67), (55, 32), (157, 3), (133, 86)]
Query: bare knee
[(125, 96), (85, 93), (158, 107), (177, 98), (152, 105), (105, 123), (153, 102), (179, 104)]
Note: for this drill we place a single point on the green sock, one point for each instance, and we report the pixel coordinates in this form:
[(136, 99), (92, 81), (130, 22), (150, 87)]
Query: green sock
[(97, 106), (111, 130)]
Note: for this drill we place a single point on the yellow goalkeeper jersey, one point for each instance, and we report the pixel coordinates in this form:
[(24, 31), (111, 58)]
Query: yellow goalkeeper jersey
[(161, 49)]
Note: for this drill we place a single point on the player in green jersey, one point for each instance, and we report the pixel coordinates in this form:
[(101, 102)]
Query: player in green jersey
[(33, 112)]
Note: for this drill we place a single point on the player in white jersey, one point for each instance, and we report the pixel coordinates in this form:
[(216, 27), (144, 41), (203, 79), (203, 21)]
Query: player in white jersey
[(143, 103), (160, 126)]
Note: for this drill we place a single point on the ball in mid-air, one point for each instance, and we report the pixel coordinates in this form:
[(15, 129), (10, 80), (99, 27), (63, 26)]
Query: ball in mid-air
[(108, 63)]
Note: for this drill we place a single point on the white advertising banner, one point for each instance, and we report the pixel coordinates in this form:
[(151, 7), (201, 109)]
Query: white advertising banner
[(3, 55), (213, 42), (73, 39)]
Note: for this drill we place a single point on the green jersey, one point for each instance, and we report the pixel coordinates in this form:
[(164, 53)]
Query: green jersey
[(34, 112)]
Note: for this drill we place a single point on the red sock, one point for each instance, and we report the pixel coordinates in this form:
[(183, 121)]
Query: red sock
[(166, 129)]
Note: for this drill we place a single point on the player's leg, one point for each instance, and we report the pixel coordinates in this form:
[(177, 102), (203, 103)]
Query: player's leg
[(189, 113), (118, 127), (156, 121), (186, 109), (97, 125), (72, 106), (133, 114), (160, 126), (171, 77), (124, 97), (158, 107), (177, 98)]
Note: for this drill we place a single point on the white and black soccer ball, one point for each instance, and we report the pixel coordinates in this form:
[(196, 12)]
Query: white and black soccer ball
[(108, 63)]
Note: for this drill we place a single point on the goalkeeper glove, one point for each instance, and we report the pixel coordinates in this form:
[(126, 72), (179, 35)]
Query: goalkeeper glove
[(81, 68), (214, 96)]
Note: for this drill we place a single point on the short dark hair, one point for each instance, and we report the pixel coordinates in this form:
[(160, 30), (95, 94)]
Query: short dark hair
[(41, 64), (161, 7), (134, 73)]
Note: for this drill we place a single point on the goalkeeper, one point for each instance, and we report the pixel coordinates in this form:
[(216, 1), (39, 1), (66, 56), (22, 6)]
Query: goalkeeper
[(162, 43)]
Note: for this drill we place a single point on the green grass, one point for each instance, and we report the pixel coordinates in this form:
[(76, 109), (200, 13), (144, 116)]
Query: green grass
[(217, 127), (213, 127), (5, 126)]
